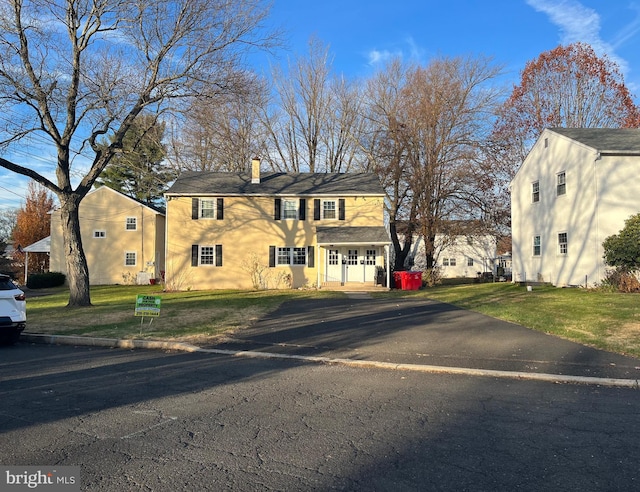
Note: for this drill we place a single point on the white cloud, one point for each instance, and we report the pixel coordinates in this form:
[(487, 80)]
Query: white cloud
[(377, 57), (578, 23)]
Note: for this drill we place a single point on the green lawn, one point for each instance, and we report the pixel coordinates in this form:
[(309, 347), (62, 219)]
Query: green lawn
[(604, 320), (194, 316)]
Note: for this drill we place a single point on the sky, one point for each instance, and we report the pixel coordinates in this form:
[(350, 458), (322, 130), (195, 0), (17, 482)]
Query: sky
[(362, 34)]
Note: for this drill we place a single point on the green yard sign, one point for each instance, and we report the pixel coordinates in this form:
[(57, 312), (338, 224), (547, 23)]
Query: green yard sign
[(148, 305)]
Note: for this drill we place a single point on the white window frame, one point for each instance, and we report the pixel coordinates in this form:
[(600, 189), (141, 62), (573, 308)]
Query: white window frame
[(291, 256), (452, 262), (445, 261), (561, 183), (535, 192), (206, 255), (469, 262), (563, 243), (209, 209), (131, 221), (537, 245), (128, 255), (99, 234), (290, 209), (328, 211)]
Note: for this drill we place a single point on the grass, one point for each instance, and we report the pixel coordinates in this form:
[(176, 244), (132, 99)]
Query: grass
[(605, 320), (194, 316), (609, 321)]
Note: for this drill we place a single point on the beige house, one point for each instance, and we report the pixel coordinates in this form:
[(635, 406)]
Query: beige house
[(274, 230), (123, 239), (575, 188)]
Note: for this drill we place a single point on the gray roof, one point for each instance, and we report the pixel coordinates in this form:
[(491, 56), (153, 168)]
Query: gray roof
[(224, 183), (605, 140), (352, 235)]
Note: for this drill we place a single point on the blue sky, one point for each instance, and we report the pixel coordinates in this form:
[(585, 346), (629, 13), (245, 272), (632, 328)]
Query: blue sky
[(362, 35)]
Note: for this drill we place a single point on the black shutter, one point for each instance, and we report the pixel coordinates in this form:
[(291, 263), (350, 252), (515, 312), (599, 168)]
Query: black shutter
[(316, 209), (277, 209), (311, 258), (302, 212), (220, 209), (218, 254), (194, 255), (272, 256), (341, 209), (195, 205)]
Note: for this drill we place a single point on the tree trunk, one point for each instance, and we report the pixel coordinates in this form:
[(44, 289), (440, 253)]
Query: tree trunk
[(76, 261)]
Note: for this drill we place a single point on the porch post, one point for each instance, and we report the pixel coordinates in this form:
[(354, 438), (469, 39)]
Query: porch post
[(317, 253), (386, 253)]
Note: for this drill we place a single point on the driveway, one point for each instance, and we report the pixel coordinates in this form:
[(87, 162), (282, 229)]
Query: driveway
[(425, 332)]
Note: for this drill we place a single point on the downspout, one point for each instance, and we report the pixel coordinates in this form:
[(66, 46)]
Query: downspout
[(597, 219), (144, 263)]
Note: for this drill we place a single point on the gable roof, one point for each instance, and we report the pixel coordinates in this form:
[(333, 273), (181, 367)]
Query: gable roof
[(158, 210), (605, 140), (227, 183)]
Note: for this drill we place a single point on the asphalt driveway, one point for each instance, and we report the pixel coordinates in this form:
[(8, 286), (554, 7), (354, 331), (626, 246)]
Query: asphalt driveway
[(418, 331)]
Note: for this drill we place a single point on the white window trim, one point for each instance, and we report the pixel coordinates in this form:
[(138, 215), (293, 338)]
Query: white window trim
[(566, 244), (563, 184), (134, 222), (533, 246), (99, 234), (535, 193), (335, 209), (292, 251), (214, 208), (295, 210), (213, 255), (135, 258)]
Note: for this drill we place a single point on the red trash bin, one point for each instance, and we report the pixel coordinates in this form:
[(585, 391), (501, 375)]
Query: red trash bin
[(398, 278), (414, 280)]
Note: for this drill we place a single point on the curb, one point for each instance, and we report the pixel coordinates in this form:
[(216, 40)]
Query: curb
[(186, 347)]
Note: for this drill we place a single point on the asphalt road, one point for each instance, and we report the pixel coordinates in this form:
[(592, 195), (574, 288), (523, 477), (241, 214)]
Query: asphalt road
[(166, 421)]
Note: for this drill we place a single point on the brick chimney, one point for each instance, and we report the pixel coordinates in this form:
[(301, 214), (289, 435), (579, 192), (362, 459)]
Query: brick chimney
[(255, 170)]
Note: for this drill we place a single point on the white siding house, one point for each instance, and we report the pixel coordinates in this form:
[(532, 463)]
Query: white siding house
[(458, 256), (575, 188)]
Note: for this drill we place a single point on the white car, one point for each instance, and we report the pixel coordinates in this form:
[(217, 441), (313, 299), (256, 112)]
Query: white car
[(13, 311)]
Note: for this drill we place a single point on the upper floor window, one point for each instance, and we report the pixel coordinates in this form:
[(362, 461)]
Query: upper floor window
[(329, 209), (536, 245), (207, 208), (131, 224), (99, 234), (469, 261), (561, 187), (290, 209), (562, 243), (535, 191)]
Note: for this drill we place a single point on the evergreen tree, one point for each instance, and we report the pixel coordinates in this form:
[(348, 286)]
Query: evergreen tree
[(139, 170)]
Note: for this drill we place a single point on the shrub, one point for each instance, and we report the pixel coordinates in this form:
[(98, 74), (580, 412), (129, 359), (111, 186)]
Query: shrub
[(44, 280), (621, 280)]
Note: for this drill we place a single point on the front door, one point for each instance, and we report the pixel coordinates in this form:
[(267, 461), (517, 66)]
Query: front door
[(351, 265)]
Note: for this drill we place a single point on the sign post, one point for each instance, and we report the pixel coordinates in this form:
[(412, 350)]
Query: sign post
[(147, 306)]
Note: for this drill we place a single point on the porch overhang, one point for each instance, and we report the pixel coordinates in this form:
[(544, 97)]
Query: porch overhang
[(334, 236), (329, 237)]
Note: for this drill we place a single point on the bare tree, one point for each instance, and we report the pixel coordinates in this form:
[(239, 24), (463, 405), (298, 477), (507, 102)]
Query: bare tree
[(385, 143), (427, 132), (313, 119), (72, 72), (221, 134), (449, 108)]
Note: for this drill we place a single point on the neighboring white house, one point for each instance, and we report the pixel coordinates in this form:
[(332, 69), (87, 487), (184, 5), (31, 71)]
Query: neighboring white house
[(458, 256), (575, 188)]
